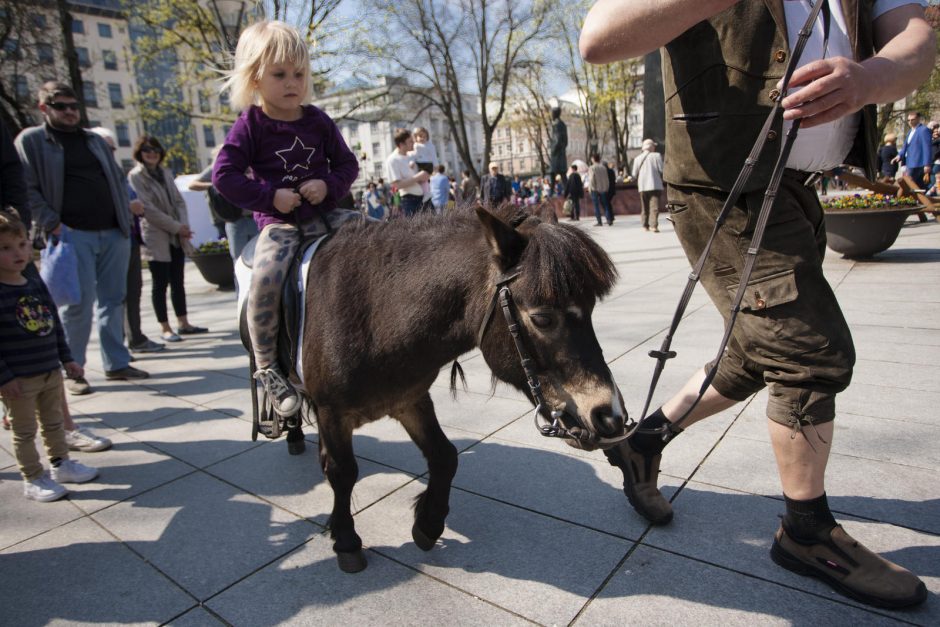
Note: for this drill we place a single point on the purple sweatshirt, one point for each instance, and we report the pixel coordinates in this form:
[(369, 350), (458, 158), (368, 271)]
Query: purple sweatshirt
[(283, 155)]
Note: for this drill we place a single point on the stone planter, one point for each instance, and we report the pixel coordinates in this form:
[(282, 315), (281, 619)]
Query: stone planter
[(216, 268), (861, 233)]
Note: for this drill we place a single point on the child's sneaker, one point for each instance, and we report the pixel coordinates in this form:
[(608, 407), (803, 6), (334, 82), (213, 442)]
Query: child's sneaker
[(81, 440), (43, 489), (282, 394), (71, 471)]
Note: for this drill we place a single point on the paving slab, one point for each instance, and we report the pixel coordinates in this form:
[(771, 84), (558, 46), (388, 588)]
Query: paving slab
[(204, 534), (101, 580), (192, 523)]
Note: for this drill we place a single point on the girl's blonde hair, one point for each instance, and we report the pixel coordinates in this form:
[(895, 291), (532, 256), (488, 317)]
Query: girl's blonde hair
[(262, 44)]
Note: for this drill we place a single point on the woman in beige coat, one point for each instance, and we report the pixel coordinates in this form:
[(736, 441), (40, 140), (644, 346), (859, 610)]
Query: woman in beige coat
[(166, 234)]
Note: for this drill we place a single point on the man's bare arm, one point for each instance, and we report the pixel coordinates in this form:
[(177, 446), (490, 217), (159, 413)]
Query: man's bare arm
[(622, 29), (838, 86)]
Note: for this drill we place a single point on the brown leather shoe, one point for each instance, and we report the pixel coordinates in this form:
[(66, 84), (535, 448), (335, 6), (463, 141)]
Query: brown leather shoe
[(640, 473), (850, 569)]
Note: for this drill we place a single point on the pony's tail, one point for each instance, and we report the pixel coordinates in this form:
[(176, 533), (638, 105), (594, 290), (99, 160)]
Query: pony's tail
[(455, 371)]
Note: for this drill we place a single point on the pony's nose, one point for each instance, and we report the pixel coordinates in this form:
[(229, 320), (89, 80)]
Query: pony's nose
[(605, 421)]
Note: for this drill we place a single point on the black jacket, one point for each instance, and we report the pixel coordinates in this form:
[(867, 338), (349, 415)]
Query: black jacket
[(574, 187)]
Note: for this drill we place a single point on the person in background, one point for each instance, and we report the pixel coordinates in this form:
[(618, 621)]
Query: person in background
[(887, 158), (495, 187), (32, 349), (137, 341), (240, 226), (917, 153), (166, 235), (598, 183), (468, 189), (76, 185), (440, 190), (404, 174), (13, 195), (574, 190), (424, 155), (648, 172)]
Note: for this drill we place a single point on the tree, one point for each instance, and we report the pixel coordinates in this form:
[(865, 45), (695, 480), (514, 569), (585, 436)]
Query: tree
[(28, 56), (453, 50), (606, 92)]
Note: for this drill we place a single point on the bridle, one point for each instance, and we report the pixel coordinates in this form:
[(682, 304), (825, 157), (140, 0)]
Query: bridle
[(551, 423)]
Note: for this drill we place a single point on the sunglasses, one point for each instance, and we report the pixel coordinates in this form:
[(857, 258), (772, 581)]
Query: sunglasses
[(149, 149), (62, 106)]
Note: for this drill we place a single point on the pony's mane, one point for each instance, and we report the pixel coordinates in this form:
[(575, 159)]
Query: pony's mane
[(560, 264)]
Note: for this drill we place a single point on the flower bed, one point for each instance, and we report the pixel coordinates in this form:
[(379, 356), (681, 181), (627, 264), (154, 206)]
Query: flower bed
[(868, 202)]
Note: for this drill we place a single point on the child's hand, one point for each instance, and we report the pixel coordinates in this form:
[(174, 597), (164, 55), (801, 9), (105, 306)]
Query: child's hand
[(286, 200), (314, 191), (11, 389), (73, 370)]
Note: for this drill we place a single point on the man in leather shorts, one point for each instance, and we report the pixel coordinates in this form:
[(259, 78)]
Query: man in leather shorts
[(722, 65)]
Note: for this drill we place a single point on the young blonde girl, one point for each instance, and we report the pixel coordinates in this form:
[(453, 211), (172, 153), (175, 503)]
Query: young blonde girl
[(300, 167)]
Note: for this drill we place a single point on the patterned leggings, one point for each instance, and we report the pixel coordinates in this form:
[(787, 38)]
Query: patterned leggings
[(274, 251)]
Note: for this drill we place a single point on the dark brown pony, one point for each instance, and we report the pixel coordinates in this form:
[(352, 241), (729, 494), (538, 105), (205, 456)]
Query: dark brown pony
[(390, 305)]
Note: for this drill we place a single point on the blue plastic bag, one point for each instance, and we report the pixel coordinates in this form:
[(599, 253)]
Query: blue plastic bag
[(58, 267)]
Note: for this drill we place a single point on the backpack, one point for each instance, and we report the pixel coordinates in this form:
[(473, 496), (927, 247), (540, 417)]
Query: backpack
[(223, 208)]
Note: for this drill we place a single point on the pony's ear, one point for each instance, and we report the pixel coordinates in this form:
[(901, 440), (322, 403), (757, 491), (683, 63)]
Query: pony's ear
[(505, 241)]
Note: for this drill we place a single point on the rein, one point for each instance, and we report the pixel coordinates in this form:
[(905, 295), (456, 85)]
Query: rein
[(671, 429), (551, 425)]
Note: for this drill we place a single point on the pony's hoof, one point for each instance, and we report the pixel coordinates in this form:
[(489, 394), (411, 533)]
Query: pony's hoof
[(353, 562), (296, 447), (423, 541)]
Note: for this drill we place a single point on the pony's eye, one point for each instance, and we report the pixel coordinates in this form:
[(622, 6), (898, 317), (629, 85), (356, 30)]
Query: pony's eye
[(542, 321)]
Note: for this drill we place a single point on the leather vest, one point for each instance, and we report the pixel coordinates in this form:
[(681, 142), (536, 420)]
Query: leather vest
[(719, 82)]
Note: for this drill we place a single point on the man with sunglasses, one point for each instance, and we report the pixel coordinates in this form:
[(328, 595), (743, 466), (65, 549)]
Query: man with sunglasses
[(75, 185)]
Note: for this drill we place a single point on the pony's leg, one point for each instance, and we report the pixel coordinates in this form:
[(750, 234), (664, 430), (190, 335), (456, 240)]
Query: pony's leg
[(431, 507), (340, 467)]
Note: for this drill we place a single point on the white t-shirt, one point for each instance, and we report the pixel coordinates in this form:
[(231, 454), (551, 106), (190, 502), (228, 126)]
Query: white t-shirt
[(424, 153), (825, 146), (399, 167)]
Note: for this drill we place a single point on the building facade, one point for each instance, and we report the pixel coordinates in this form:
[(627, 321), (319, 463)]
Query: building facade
[(369, 115)]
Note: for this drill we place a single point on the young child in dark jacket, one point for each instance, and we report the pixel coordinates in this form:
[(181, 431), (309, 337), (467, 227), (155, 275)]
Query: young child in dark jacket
[(32, 349)]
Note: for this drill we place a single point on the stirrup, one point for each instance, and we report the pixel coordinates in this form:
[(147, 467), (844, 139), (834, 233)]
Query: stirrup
[(279, 392)]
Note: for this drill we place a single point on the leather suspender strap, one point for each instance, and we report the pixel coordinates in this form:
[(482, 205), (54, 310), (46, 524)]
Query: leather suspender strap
[(665, 353)]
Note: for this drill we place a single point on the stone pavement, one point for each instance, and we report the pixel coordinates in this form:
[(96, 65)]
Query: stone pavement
[(192, 523)]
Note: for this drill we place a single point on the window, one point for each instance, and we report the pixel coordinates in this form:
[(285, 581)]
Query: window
[(127, 164), (104, 30), (208, 134), (11, 49), (83, 59), (225, 129), (376, 149), (123, 134), (116, 95), (78, 27), (45, 53), (89, 94), (204, 105), (110, 59), (224, 99), (22, 88)]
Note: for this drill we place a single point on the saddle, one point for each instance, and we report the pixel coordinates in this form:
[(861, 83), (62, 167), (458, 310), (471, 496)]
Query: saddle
[(290, 329)]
